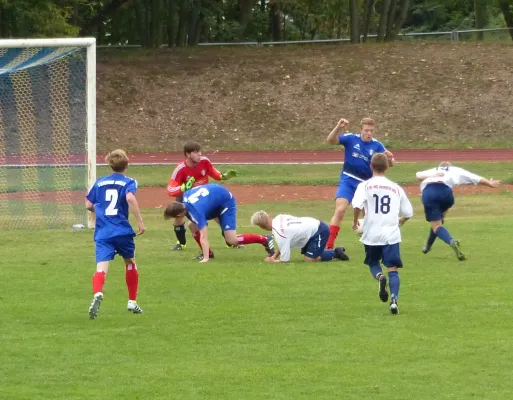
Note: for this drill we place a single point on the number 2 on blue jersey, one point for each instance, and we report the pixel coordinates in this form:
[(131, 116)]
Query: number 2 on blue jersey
[(111, 195)]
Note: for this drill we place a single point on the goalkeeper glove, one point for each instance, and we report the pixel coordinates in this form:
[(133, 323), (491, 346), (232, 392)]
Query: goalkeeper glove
[(186, 186), (230, 174)]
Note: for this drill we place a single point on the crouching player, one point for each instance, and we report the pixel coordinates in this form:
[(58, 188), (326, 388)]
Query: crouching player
[(386, 208), (109, 198), (194, 171), (212, 201), (305, 233)]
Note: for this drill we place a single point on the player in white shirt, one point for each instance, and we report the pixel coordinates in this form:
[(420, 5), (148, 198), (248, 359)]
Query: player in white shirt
[(305, 233), (386, 208), (437, 198)]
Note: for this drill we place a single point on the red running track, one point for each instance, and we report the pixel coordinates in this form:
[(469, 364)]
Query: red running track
[(323, 156), (275, 157)]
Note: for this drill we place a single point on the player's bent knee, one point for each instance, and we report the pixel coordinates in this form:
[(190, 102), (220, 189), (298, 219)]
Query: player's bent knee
[(392, 269), (179, 221), (308, 259), (231, 237)]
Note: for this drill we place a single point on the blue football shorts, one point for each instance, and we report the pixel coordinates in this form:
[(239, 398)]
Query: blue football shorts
[(389, 254), (106, 249), (437, 198), (347, 188), (228, 216), (316, 244)]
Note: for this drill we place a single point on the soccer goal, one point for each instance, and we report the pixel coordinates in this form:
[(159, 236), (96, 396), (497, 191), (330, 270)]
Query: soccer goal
[(47, 131)]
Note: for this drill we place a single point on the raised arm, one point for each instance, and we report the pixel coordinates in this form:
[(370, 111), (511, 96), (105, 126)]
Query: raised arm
[(339, 128)]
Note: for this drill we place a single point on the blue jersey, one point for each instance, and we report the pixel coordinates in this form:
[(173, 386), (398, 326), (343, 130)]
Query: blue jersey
[(357, 155), (207, 202), (108, 195)]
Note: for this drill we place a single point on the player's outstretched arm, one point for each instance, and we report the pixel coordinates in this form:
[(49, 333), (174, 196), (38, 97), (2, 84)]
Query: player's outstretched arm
[(339, 128), (229, 174), (134, 206), (490, 182)]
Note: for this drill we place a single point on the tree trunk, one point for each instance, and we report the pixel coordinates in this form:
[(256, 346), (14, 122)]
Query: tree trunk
[(155, 23), (507, 11), (390, 20), (183, 15), (141, 21), (480, 15), (383, 20), (354, 21), (171, 25), (399, 21), (195, 22), (275, 21), (4, 21), (245, 8), (262, 5), (367, 13)]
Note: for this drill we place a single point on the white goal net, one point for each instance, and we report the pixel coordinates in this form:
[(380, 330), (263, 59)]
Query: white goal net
[(47, 131)]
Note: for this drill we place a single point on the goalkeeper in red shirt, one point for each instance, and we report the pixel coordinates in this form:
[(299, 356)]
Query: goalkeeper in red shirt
[(194, 171)]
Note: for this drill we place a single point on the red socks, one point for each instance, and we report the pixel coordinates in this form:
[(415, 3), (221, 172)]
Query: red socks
[(98, 281), (132, 281), (249, 238), (333, 236)]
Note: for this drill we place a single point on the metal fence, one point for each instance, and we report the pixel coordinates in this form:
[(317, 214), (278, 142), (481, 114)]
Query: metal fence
[(453, 36)]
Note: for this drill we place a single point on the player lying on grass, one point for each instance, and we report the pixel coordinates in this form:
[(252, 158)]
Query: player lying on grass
[(437, 198), (212, 201), (110, 198), (194, 171), (305, 233), (386, 208), (358, 150)]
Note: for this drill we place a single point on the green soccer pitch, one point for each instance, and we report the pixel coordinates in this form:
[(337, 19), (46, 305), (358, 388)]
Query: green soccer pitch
[(239, 328)]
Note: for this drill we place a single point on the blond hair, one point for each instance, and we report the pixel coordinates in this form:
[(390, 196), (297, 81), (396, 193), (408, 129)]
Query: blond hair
[(117, 160), (379, 162), (260, 219), (367, 121), (445, 164)]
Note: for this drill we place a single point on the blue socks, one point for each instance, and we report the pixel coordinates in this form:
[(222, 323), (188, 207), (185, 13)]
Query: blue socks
[(327, 255), (394, 282), (444, 235), (375, 269)]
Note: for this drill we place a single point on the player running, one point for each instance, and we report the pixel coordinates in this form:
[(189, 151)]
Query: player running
[(358, 150), (438, 198), (194, 171), (212, 201), (305, 233), (109, 198), (386, 208)]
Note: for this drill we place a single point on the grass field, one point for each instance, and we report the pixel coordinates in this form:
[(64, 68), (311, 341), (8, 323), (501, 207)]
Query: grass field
[(238, 328)]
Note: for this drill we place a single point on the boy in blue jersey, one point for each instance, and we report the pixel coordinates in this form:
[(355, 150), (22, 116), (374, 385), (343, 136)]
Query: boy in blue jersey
[(211, 201), (358, 151), (109, 198)]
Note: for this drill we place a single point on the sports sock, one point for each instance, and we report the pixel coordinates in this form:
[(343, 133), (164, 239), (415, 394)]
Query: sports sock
[(98, 281), (327, 255), (197, 236), (333, 236), (375, 269), (431, 238), (132, 281), (249, 238), (394, 282), (180, 234), (444, 234)]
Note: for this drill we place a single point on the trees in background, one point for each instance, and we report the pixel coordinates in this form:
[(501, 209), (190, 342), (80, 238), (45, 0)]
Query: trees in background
[(152, 23)]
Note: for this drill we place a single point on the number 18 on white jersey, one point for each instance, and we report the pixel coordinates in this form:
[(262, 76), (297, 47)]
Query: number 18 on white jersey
[(384, 202)]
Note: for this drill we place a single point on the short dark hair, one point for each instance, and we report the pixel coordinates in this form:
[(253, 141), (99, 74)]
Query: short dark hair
[(191, 146), (379, 162), (173, 210)]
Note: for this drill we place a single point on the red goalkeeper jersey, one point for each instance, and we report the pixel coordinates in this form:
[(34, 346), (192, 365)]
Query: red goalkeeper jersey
[(201, 172)]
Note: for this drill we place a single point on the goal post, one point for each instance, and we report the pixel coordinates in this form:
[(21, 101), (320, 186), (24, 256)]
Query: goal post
[(47, 131)]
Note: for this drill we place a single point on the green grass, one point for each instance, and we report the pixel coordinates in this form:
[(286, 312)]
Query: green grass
[(403, 173), (238, 328)]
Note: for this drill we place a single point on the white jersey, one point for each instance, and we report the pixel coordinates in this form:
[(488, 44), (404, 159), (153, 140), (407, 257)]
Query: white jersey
[(384, 201), (293, 232), (452, 176)]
